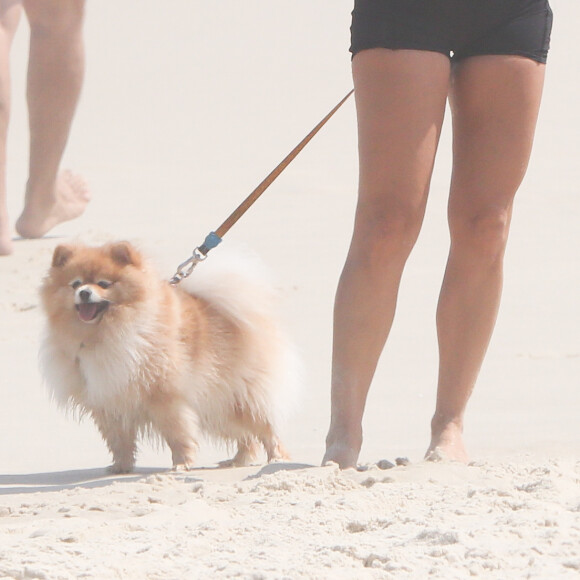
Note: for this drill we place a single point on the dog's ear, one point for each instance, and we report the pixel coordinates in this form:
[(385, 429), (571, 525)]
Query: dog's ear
[(124, 254), (61, 256)]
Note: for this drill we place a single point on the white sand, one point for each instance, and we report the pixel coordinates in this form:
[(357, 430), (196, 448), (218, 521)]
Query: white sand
[(184, 111), (495, 520)]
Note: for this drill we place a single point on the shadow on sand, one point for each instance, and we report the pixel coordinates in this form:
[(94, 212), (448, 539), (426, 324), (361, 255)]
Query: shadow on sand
[(60, 480), (101, 477)]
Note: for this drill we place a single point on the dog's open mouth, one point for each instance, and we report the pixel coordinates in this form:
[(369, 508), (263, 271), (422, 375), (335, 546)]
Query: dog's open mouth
[(90, 311)]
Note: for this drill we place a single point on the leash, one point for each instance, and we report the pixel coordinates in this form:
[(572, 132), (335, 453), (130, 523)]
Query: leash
[(214, 238)]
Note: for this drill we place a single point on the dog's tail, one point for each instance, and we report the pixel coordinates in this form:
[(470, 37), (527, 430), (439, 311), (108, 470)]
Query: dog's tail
[(239, 286), (236, 284)]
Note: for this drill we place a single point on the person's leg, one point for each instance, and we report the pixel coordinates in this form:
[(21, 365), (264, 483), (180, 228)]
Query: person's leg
[(400, 98), (55, 76), (495, 102), (9, 17)]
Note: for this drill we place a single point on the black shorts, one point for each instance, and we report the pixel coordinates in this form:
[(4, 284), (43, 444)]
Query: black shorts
[(456, 28)]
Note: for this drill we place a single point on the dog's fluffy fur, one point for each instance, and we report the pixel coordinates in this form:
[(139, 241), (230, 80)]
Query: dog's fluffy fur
[(141, 356)]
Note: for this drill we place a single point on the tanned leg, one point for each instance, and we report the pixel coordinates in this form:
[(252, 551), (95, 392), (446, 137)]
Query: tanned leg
[(55, 76), (9, 16), (495, 102), (400, 97)]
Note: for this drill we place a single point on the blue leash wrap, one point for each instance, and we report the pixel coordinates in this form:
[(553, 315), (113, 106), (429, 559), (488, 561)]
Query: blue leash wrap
[(211, 241)]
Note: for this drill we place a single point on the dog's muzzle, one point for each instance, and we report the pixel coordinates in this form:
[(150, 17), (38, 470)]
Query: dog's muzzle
[(89, 304)]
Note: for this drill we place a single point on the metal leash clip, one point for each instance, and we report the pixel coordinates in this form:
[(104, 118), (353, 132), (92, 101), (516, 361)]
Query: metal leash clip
[(186, 268), (199, 255)]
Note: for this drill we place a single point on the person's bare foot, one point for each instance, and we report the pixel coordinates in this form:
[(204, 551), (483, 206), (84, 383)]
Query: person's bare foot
[(447, 445), (342, 449), (41, 214), (5, 235)]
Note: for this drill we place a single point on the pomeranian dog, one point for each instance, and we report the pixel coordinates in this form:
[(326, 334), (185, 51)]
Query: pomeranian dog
[(143, 357)]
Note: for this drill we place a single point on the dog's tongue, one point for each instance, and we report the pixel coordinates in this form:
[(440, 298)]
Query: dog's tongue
[(87, 312)]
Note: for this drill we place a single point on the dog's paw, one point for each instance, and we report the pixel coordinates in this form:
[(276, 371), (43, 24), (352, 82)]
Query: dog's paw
[(119, 468), (237, 462), (182, 467), (278, 454)]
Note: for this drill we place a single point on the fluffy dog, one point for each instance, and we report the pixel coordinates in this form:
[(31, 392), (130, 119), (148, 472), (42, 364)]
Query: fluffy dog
[(141, 356)]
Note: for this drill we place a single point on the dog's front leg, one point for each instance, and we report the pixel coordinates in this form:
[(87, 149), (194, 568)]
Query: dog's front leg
[(120, 435), (177, 424)]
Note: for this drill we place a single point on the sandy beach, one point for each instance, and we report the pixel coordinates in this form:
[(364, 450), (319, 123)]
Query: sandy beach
[(184, 111)]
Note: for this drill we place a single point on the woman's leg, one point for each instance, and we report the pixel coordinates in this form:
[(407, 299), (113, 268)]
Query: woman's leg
[(400, 97), (494, 102), (9, 17), (55, 77)]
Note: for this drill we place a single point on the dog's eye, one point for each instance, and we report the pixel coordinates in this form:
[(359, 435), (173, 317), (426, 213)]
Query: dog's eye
[(76, 284), (104, 284)]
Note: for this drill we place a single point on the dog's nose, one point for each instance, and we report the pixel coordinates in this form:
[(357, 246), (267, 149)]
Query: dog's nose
[(85, 295)]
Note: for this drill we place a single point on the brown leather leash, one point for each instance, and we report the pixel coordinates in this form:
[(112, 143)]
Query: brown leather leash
[(214, 238)]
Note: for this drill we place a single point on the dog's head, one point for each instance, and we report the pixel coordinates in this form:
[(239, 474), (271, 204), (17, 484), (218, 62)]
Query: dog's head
[(91, 284)]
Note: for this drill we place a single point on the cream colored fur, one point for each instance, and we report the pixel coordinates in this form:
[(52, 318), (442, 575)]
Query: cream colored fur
[(207, 358)]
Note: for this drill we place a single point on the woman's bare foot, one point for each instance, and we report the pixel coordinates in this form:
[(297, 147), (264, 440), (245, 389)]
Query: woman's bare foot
[(43, 212), (447, 445), (5, 235), (342, 449)]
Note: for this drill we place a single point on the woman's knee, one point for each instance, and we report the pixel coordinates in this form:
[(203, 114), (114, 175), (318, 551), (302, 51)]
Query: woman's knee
[(9, 19), (482, 235), (385, 235), (54, 16)]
